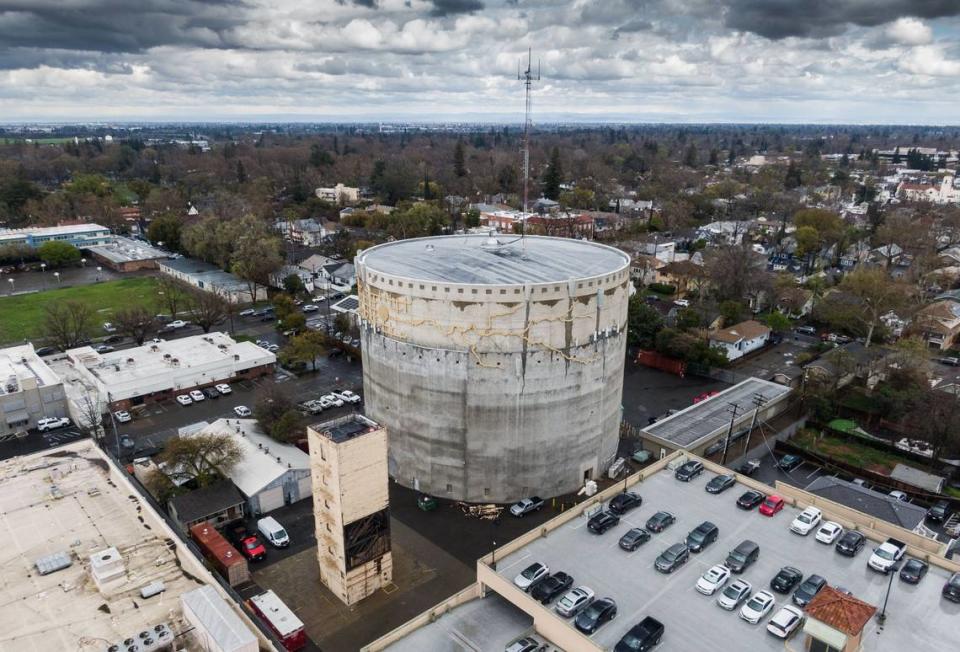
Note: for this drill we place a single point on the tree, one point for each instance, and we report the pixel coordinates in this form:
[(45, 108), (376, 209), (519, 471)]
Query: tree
[(166, 229), (241, 172), (306, 348), (66, 324), (873, 294), (736, 272), (777, 322), (293, 285), (277, 415), (808, 240), (283, 306), (255, 260), (171, 294), (207, 309), (136, 322), (643, 323), (793, 178), (690, 158), (937, 419), (90, 407), (57, 253), (204, 458), (459, 164), (553, 177), (731, 311)]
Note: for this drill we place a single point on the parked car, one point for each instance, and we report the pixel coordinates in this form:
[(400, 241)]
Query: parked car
[(810, 588), (210, 392), (52, 423), (702, 536), (247, 543), (829, 532), (713, 579), (899, 495), (333, 399), (689, 471), (951, 590), (273, 532), (623, 503), (789, 462), (310, 308), (267, 316), (806, 520), (248, 312), (940, 511), (886, 555), (757, 607), (122, 416), (749, 467), (273, 348), (850, 543), (183, 399), (177, 323), (347, 396), (743, 556), (531, 575), (596, 614), (525, 644), (111, 339), (223, 388), (548, 589), (672, 558), (683, 303), (109, 328), (660, 522), (573, 601), (805, 330), (643, 636), (127, 442), (771, 505), (634, 538), (46, 350), (602, 522), (749, 499), (785, 622), (196, 395), (913, 571), (242, 411), (720, 483), (786, 579), (734, 594), (103, 348), (526, 506)]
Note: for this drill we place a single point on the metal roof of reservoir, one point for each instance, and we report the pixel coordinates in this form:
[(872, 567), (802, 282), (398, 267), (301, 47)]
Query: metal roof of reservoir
[(493, 260), (690, 426)]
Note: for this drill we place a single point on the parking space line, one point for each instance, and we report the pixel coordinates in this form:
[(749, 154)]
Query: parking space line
[(815, 471), (525, 555)]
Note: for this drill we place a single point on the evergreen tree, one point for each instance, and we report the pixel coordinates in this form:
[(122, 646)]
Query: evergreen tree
[(241, 172), (553, 176), (793, 178), (690, 158), (459, 165)]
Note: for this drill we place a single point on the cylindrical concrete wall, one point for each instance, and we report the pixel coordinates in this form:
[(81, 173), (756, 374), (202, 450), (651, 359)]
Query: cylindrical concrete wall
[(497, 369)]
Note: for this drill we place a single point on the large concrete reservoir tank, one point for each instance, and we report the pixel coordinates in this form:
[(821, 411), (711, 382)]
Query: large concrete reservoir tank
[(495, 363)]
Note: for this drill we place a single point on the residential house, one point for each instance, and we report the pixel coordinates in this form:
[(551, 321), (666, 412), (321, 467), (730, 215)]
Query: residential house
[(218, 503), (685, 275), (643, 269), (740, 339), (894, 323), (277, 278), (308, 232), (795, 302), (849, 362), (938, 324), (339, 194), (875, 503)]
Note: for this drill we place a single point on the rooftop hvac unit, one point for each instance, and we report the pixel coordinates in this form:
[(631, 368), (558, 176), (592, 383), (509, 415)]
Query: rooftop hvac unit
[(152, 589), (53, 563)]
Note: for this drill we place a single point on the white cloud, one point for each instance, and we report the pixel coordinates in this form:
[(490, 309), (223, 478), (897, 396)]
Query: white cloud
[(909, 31), (930, 60)]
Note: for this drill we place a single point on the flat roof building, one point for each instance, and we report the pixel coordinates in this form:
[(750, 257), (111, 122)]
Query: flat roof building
[(211, 278), (29, 390), (155, 372), (127, 255), (79, 235)]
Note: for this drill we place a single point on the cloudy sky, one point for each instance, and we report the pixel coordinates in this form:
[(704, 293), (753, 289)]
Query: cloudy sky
[(862, 61)]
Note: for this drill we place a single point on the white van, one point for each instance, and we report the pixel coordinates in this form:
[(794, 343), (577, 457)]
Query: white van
[(273, 532)]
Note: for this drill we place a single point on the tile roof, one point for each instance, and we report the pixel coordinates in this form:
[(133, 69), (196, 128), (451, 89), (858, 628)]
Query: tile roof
[(840, 611)]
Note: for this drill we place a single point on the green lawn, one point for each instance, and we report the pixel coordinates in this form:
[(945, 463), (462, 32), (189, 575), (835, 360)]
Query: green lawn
[(21, 316)]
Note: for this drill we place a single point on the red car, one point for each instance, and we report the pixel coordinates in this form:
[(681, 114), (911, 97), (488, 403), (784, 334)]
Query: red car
[(253, 549), (771, 505)]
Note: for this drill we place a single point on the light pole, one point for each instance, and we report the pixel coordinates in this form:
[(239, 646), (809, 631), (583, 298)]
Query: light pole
[(99, 269), (83, 262), (57, 274), (43, 272), (882, 616), (11, 285)]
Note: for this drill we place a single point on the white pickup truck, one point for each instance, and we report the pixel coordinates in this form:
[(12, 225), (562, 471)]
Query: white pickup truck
[(887, 555)]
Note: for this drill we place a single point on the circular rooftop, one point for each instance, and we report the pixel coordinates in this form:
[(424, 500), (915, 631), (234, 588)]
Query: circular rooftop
[(497, 260)]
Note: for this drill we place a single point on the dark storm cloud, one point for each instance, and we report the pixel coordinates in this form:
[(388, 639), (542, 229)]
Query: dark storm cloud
[(369, 4), (31, 58), (451, 7), (778, 19), (115, 26)]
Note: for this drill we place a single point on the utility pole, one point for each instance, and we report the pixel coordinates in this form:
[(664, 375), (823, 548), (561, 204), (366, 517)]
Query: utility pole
[(733, 410), (527, 77), (759, 400)]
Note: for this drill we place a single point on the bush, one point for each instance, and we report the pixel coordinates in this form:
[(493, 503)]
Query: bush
[(662, 288)]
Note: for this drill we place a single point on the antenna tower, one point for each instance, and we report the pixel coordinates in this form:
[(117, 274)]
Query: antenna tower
[(528, 77)]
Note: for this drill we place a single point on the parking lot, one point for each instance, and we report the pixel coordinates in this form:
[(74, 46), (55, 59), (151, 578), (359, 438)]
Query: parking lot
[(917, 617)]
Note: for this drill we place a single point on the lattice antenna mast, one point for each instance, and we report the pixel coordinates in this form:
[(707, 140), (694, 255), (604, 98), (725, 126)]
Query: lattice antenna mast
[(528, 77)]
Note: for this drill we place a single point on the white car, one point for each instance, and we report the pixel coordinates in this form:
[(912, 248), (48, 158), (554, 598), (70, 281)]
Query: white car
[(319, 299), (177, 323), (683, 303), (183, 399), (785, 622), (249, 312), (734, 593), (829, 532), (325, 403), (273, 348), (574, 600), (197, 395), (52, 423), (347, 396), (713, 579), (242, 411), (223, 388), (530, 575), (757, 607), (109, 328), (122, 416), (806, 521), (310, 308), (333, 398)]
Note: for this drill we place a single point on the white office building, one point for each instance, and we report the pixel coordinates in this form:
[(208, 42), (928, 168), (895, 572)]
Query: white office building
[(29, 390)]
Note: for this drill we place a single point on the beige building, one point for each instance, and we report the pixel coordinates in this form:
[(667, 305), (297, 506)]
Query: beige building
[(348, 459)]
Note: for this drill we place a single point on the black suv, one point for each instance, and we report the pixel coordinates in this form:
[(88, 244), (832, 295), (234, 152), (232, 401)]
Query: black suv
[(701, 537), (546, 590), (660, 521), (749, 499), (643, 636), (672, 558), (719, 484), (850, 543), (913, 571), (940, 511), (623, 503), (806, 591), (689, 471), (211, 392), (599, 612), (951, 590), (634, 538), (786, 579), (790, 462), (741, 557), (602, 522)]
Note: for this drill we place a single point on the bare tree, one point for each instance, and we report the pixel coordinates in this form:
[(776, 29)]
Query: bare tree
[(90, 418), (172, 294), (737, 272), (136, 322), (204, 457), (877, 294), (207, 309), (67, 323)]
